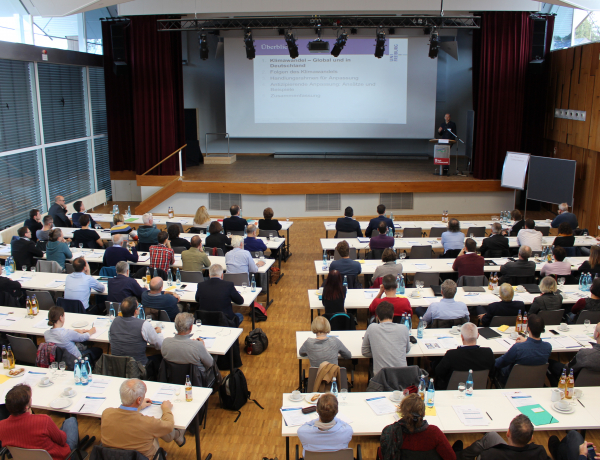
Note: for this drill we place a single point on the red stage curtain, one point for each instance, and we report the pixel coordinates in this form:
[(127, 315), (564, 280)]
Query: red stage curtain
[(145, 105)]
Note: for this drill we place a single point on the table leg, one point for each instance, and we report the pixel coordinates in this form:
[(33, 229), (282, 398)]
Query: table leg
[(287, 244), (280, 257), (287, 448), (317, 281), (252, 315), (269, 302), (311, 316), (300, 374), (197, 435), (231, 358)]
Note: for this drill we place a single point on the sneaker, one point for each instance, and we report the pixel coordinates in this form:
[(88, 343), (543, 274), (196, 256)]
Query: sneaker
[(457, 446), (180, 440)]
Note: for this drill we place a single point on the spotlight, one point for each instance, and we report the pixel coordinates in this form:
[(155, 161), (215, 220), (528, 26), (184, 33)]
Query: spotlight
[(339, 44), (434, 44), (291, 44), (203, 47), (380, 44), (250, 50)]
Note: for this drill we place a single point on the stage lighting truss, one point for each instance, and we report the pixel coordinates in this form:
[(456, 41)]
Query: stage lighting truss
[(340, 42), (249, 42), (291, 44), (380, 44), (434, 44), (203, 46)]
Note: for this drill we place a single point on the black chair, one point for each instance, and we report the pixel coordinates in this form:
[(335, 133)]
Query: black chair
[(164, 316), (69, 268), (572, 251), (429, 279), (374, 254), (351, 254), (347, 234), (218, 318), (176, 224), (209, 251), (99, 452), (544, 230), (497, 253), (344, 454), (144, 247), (472, 281), (421, 252), (552, 317), (236, 232), (413, 232), (44, 299), (593, 316), (312, 375), (267, 233), (141, 273), (448, 323), (480, 379), (519, 280), (256, 254), (450, 254), (70, 305), (498, 321), (478, 232), (587, 378), (24, 349), (197, 230), (436, 232), (236, 278), (522, 376), (191, 277), (340, 321)]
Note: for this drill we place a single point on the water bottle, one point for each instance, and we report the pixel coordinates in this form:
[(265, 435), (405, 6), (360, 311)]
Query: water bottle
[(88, 366), (8, 266), (253, 284), (581, 282), (245, 233), (430, 398), (178, 278), (128, 212), (469, 390), (4, 358), (401, 287), (422, 387), (420, 328), (589, 282), (141, 313), (408, 322), (403, 318), (392, 216), (155, 274), (334, 388), (324, 261), (84, 373), (169, 277), (345, 283), (397, 284), (77, 372)]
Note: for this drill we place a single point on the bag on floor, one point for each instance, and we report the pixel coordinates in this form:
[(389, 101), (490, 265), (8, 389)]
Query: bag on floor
[(234, 393), (256, 342), (260, 313)]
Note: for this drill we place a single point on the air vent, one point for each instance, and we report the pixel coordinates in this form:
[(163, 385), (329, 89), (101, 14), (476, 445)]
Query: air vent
[(396, 201), (331, 202), (223, 201)]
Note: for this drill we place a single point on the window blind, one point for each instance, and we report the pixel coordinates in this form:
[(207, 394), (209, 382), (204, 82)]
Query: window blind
[(223, 201), (68, 169), (396, 201), (103, 166), (98, 100), (324, 202)]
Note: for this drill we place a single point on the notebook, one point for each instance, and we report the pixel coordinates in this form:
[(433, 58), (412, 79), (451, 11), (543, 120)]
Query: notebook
[(488, 333), (473, 289), (532, 288)]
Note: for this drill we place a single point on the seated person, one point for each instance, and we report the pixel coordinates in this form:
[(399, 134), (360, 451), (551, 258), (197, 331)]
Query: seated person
[(43, 234), (521, 268), (120, 250), (334, 294), (238, 260), (462, 359), (251, 242), (389, 267), (401, 304), (453, 238), (119, 226), (386, 342), (57, 248), (67, 338), (493, 447), (27, 430), (216, 239), (345, 265), (130, 335), (565, 216), (148, 233), (549, 300), (374, 223), (235, 222), (174, 238), (327, 433), (155, 298), (591, 303), (80, 211), (215, 294), (58, 211), (161, 254), (519, 223), (268, 223), (194, 259), (23, 250), (529, 236), (506, 307), (447, 308), (572, 447), (531, 351), (201, 219), (86, 236), (143, 437), (496, 245), (347, 223), (413, 433), (79, 283), (565, 236), (468, 263), (122, 286), (559, 267), (181, 350), (34, 223), (592, 265), (9, 286), (323, 348), (381, 240)]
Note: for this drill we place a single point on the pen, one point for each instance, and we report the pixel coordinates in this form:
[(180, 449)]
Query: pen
[(490, 417), (580, 403), (83, 405), (157, 403)]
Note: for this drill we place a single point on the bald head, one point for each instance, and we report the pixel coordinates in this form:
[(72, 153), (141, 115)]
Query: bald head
[(195, 241), (132, 392), (156, 284), (59, 199)]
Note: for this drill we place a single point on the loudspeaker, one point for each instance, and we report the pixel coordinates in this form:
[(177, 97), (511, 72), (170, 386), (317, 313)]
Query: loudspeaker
[(538, 41), (470, 133), (119, 43)]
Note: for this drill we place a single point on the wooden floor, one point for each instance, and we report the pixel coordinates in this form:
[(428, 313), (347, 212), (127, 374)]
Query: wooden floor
[(257, 433)]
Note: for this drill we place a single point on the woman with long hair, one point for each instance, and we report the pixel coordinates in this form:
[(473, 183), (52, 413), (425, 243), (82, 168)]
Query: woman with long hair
[(201, 219), (334, 294), (592, 265), (565, 238)]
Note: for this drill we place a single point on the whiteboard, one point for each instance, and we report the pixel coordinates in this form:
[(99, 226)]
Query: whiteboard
[(514, 170)]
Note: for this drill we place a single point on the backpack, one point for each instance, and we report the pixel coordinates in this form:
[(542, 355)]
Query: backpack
[(256, 342), (46, 354), (234, 393), (260, 313)]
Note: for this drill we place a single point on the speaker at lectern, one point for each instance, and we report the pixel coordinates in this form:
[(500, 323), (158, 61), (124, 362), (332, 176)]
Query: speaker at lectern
[(441, 153)]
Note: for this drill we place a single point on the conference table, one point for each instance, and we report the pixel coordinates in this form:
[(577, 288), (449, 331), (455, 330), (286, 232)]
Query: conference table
[(496, 407), (103, 393)]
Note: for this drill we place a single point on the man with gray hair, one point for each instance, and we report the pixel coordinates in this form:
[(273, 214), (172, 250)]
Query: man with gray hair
[(147, 233), (119, 251), (507, 306), (215, 294), (251, 242), (514, 272), (447, 308), (496, 245), (154, 298), (469, 356), (144, 431), (565, 216), (239, 260), (181, 350), (122, 286)]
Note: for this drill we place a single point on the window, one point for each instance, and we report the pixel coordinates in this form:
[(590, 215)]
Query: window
[(98, 100), (396, 201), (103, 166), (68, 169), (223, 201), (57, 32), (330, 202)]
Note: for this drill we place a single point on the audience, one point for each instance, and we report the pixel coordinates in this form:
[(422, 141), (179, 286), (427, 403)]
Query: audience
[(549, 300), (345, 265), (79, 284), (496, 245), (34, 223), (58, 211), (234, 223), (155, 298), (44, 233), (453, 238), (161, 254), (389, 267), (119, 226), (68, 338), (144, 431), (13, 288), (89, 238), (119, 251), (468, 263), (238, 260), (23, 250), (386, 342), (529, 236), (334, 294), (327, 433), (592, 265), (388, 287), (376, 221), (565, 216), (130, 335), (447, 308), (506, 307), (251, 242), (201, 219), (381, 240), (519, 223), (531, 351), (347, 223), (147, 233), (412, 433), (27, 430), (565, 236), (215, 294), (216, 239), (174, 238), (57, 249), (268, 223), (523, 267), (323, 348), (122, 286), (559, 267), (80, 211), (194, 259), (469, 356), (591, 303)]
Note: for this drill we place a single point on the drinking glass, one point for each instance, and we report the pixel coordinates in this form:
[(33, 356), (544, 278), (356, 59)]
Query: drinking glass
[(343, 393), (228, 234), (177, 393), (32, 270), (81, 246), (561, 281), (62, 366), (53, 369), (403, 255), (111, 314), (461, 390), (24, 268), (198, 323), (244, 286), (586, 323), (585, 233), (471, 235)]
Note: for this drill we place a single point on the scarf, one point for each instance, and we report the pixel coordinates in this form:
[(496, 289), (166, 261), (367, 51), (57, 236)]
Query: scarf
[(392, 438), (325, 426)]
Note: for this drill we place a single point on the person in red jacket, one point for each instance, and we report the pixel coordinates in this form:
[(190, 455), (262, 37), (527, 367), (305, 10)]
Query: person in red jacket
[(468, 263), (388, 286), (32, 431)]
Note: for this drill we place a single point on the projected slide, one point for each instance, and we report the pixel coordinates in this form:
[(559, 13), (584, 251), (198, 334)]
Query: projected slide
[(319, 88)]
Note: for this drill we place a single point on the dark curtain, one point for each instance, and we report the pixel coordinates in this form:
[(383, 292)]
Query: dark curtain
[(500, 57), (146, 109)]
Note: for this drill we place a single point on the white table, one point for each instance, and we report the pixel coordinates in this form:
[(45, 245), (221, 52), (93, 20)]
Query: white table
[(184, 412)]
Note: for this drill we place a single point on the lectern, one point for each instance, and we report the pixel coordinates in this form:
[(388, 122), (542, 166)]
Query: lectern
[(441, 152)]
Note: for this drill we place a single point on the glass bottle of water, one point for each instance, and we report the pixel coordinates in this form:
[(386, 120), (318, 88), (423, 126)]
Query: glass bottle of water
[(430, 397), (253, 284), (581, 282), (392, 216), (141, 313), (334, 388), (89, 369), (401, 287), (589, 282), (84, 373), (77, 373), (8, 266), (397, 284), (324, 261), (470, 383), (178, 278), (420, 328), (128, 212), (155, 274), (345, 283), (408, 322), (169, 277)]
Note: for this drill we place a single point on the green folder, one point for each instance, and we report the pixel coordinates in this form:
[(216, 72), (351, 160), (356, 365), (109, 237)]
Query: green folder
[(131, 219), (538, 417)]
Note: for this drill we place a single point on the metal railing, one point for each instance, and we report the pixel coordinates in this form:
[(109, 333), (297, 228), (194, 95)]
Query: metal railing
[(165, 159)]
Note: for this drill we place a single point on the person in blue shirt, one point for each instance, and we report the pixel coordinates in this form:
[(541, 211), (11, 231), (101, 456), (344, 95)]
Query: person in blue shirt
[(453, 239), (447, 308), (565, 216), (122, 286), (154, 298), (345, 265), (79, 283), (240, 261), (374, 223), (328, 433), (251, 242), (531, 351), (80, 211), (57, 249), (118, 251)]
